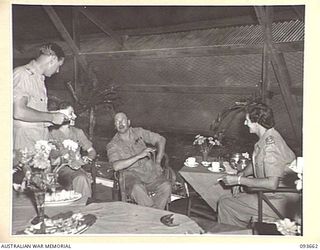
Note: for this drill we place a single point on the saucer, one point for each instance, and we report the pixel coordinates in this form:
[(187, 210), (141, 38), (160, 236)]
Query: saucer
[(191, 166), (216, 171)]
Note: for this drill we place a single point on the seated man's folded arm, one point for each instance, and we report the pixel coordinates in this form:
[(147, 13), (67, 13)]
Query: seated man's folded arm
[(161, 144), (118, 163), (155, 139)]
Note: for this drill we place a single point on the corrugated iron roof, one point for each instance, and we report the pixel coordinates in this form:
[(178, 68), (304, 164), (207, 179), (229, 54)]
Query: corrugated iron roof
[(289, 31)]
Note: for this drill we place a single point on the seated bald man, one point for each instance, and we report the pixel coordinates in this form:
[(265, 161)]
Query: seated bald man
[(128, 151)]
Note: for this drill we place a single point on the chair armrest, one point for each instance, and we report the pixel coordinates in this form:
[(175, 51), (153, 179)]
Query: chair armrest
[(167, 170), (278, 190), (120, 181)]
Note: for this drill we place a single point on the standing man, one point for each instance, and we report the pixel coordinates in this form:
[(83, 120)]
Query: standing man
[(128, 151), (30, 114)]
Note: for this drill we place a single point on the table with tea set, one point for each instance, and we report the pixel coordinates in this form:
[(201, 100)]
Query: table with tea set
[(204, 176)]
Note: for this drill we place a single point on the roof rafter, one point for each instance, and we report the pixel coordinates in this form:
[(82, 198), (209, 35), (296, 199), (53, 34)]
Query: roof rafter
[(101, 25), (66, 36)]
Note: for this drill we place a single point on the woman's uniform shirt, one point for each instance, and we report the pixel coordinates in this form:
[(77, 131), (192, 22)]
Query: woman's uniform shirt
[(271, 155)]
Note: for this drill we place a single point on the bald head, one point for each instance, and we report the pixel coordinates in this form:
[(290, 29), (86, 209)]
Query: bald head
[(120, 115), (121, 122)]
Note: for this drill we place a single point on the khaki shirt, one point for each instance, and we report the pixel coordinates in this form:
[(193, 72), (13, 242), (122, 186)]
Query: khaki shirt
[(76, 134), (271, 155), (27, 82), (118, 149)]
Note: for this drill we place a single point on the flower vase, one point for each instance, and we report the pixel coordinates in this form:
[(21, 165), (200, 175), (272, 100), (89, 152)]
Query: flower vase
[(205, 155), (39, 196)]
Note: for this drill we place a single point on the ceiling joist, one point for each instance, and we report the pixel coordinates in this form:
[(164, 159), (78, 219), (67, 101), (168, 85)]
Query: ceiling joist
[(66, 36), (226, 50), (102, 26)]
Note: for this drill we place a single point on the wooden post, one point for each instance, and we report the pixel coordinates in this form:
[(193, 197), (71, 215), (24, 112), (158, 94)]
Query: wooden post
[(281, 72), (81, 59), (76, 39), (266, 60)]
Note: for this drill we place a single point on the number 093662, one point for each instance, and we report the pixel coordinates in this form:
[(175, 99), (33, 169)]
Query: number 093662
[(308, 246)]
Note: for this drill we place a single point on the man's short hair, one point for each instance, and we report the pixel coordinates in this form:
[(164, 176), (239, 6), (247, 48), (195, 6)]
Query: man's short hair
[(52, 49)]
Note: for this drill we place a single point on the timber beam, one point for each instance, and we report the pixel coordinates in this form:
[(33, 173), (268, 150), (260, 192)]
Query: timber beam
[(192, 89), (66, 36), (281, 72), (224, 50), (81, 59), (107, 30)]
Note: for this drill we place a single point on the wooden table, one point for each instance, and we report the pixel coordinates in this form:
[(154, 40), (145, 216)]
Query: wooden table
[(205, 182), (112, 218)]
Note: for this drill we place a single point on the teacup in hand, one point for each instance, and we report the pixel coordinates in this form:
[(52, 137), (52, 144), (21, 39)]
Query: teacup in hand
[(191, 161)]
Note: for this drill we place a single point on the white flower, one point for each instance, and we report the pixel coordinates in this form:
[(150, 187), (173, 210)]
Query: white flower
[(246, 155), (287, 227), (297, 167), (70, 144), (66, 156), (43, 146)]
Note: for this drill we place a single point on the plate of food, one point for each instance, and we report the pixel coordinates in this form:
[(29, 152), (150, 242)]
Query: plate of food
[(63, 223), (61, 198)]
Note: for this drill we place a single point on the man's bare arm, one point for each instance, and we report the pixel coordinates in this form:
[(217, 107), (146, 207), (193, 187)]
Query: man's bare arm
[(125, 163), (24, 113)]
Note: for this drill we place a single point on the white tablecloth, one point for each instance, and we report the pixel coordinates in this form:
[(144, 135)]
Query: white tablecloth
[(112, 218)]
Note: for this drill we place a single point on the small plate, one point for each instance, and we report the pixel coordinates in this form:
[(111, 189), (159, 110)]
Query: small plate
[(191, 166), (55, 203), (206, 163), (215, 171)]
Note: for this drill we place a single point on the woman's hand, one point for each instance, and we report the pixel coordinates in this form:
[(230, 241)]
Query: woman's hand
[(230, 180)]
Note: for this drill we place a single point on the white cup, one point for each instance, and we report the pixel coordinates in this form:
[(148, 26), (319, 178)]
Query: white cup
[(191, 161), (215, 166)]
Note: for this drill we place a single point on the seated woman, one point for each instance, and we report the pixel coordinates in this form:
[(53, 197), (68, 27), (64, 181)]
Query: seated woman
[(271, 158), (74, 178)]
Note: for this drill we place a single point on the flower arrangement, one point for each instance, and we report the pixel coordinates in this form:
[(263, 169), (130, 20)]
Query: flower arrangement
[(288, 227), (40, 164), (35, 164), (297, 167), (206, 143), (67, 153)]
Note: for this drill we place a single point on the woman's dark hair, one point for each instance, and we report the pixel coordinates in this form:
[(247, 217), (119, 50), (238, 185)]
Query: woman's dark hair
[(262, 114), (64, 105)]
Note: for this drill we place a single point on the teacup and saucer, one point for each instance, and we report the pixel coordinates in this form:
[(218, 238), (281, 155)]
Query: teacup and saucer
[(216, 167), (191, 162)]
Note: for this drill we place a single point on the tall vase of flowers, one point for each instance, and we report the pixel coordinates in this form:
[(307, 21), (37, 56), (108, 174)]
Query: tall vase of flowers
[(36, 165), (206, 144)]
